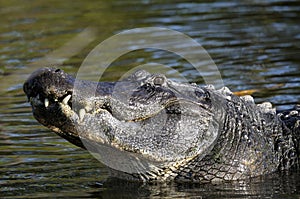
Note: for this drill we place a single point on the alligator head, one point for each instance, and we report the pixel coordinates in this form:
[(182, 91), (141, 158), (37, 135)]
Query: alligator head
[(144, 124)]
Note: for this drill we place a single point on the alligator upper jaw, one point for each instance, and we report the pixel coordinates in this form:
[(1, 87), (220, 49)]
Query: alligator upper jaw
[(50, 89), (60, 103)]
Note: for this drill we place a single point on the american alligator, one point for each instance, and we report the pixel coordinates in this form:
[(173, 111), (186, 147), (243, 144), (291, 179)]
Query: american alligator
[(162, 130)]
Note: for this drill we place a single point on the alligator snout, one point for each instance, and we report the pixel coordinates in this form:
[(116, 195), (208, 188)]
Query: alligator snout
[(49, 90)]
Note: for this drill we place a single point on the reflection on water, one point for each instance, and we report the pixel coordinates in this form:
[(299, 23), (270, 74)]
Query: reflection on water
[(255, 44)]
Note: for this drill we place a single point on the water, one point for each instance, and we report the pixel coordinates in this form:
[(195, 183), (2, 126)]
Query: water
[(255, 44)]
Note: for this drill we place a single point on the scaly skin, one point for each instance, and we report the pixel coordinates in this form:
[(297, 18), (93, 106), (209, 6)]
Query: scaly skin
[(147, 127)]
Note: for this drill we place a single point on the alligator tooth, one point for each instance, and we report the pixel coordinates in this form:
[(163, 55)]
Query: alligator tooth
[(66, 99), (46, 102), (81, 114)]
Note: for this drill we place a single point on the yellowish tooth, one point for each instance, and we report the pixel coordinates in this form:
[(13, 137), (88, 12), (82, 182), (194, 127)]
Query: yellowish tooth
[(66, 99), (81, 114), (46, 102)]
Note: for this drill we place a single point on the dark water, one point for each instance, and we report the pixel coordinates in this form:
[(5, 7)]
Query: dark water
[(255, 44)]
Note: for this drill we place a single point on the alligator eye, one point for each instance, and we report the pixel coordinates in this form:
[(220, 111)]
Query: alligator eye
[(158, 81)]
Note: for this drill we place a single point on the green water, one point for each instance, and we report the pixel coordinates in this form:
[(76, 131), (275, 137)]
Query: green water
[(255, 44)]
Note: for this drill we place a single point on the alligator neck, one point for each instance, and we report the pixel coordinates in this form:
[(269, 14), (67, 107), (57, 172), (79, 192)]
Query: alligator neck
[(253, 141)]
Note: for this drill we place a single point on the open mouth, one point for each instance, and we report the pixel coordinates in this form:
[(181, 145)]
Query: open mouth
[(49, 101), (56, 107), (51, 94), (69, 107)]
